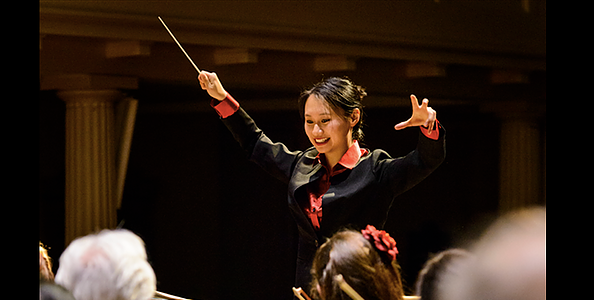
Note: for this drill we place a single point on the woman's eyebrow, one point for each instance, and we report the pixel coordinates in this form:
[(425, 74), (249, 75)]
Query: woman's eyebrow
[(322, 114)]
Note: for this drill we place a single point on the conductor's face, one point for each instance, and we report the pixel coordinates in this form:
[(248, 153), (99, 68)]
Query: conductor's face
[(328, 131)]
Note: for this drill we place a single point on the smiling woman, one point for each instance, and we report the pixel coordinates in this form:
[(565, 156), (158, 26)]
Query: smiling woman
[(352, 186), (332, 111), (330, 133)]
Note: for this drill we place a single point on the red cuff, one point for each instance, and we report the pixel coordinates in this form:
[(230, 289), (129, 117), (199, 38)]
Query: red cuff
[(226, 107), (434, 134)]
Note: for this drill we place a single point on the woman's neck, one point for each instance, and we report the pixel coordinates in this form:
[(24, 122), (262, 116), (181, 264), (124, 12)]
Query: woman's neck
[(332, 158)]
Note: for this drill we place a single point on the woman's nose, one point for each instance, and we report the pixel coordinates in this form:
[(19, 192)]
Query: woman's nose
[(316, 129)]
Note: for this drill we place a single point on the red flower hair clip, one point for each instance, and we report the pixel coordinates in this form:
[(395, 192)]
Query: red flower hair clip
[(381, 240)]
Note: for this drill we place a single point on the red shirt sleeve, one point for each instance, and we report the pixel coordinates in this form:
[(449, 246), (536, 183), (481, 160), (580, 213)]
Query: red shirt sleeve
[(434, 134), (226, 107)]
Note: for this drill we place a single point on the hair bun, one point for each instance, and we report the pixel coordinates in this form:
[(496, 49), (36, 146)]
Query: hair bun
[(361, 91)]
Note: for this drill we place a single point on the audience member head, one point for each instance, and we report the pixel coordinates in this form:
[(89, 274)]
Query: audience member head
[(367, 262), (510, 261), (45, 264), (111, 264), (450, 262), (52, 291)]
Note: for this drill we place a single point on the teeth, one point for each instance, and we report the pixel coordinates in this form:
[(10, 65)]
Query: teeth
[(321, 140)]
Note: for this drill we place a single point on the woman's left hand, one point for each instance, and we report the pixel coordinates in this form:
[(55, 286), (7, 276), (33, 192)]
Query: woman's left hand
[(422, 115)]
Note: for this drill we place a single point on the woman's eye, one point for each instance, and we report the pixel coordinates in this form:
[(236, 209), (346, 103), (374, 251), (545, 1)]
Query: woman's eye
[(325, 120), (309, 121)]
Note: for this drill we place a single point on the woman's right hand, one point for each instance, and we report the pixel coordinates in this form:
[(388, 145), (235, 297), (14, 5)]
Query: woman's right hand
[(210, 82)]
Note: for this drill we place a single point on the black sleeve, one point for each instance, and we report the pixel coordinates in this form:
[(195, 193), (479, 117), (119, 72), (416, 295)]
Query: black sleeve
[(403, 173), (275, 158)]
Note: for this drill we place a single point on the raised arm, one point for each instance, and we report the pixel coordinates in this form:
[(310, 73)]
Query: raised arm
[(405, 172), (275, 158)]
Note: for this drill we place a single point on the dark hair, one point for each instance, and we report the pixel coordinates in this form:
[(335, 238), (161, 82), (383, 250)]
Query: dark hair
[(350, 254), (342, 95)]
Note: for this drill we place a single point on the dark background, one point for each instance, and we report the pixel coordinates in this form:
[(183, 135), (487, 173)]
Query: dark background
[(215, 225)]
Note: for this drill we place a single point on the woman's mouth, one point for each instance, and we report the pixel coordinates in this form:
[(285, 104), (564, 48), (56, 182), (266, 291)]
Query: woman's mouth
[(321, 141)]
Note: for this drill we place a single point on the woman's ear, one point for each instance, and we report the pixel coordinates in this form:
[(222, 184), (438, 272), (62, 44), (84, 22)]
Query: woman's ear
[(355, 117)]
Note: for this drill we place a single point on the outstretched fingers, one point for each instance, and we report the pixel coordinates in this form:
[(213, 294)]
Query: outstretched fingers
[(430, 123), (415, 105), (414, 101), (424, 104), (402, 125), (422, 115)]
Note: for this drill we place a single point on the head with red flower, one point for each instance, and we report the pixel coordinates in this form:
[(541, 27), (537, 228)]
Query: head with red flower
[(381, 240), (365, 264)]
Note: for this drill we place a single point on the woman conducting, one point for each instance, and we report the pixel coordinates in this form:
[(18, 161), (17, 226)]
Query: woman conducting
[(335, 183)]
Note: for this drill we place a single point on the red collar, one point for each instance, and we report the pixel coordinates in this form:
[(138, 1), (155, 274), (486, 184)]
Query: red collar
[(350, 158)]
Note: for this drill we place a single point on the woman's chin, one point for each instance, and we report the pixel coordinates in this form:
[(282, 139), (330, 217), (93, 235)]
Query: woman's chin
[(322, 148)]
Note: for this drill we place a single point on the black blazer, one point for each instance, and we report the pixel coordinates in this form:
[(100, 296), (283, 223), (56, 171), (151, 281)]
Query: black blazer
[(356, 197)]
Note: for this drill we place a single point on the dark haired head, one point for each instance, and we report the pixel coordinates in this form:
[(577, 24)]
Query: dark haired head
[(342, 95), (348, 253)]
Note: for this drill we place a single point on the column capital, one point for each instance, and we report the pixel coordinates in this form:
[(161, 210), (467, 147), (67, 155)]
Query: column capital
[(70, 82), (71, 96), (515, 109)]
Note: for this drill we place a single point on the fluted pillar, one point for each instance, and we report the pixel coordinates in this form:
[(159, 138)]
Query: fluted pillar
[(519, 164), (90, 161), (521, 167), (96, 151)]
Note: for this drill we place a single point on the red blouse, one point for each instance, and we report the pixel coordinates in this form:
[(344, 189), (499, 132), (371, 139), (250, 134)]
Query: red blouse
[(318, 188)]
